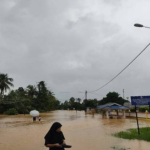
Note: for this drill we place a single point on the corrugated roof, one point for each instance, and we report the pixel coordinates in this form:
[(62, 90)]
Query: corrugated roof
[(111, 106)]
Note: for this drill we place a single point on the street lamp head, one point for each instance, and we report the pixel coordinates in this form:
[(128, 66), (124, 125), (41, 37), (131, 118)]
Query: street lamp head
[(138, 25)]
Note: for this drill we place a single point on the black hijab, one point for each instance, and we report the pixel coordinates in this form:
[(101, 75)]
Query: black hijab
[(51, 133)]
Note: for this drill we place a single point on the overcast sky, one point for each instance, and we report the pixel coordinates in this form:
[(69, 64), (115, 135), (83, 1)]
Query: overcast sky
[(76, 45)]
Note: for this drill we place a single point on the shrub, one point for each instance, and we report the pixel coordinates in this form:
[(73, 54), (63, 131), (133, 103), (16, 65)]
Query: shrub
[(11, 111), (143, 109), (140, 109), (132, 134)]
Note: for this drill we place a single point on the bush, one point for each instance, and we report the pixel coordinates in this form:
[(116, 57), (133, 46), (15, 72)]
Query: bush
[(143, 109), (140, 109), (11, 111)]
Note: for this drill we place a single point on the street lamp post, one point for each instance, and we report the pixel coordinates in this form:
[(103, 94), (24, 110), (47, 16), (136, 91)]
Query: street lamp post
[(140, 25)]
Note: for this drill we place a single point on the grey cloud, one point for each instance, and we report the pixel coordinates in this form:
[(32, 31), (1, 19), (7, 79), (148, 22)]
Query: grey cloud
[(72, 45)]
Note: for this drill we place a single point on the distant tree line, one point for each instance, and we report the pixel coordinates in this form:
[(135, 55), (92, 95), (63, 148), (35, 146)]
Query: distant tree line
[(23, 100), (111, 97), (39, 97)]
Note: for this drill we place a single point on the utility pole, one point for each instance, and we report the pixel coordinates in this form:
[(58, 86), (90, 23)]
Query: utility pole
[(85, 99), (85, 95), (76, 105), (123, 93)]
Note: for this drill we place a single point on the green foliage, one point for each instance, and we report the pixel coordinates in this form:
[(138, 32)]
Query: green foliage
[(73, 103), (39, 97), (143, 108), (11, 111), (140, 109), (90, 103), (132, 109), (65, 105), (23, 100), (132, 134), (5, 83), (112, 97)]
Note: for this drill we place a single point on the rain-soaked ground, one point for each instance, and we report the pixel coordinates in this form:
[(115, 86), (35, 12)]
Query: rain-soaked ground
[(81, 131)]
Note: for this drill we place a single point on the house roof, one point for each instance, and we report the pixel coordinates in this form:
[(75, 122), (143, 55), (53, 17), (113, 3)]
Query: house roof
[(111, 106)]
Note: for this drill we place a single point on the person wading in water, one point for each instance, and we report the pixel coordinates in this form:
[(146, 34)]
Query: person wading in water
[(54, 139)]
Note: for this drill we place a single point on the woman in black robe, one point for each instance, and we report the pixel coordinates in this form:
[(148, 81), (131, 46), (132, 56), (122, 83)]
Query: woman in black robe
[(54, 137)]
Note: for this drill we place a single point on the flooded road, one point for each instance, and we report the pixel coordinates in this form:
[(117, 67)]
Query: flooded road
[(82, 132)]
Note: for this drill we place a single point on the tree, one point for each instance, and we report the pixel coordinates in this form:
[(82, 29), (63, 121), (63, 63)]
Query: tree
[(42, 87), (19, 100), (72, 102), (5, 83), (66, 105), (78, 100), (31, 91), (112, 97), (90, 103), (23, 100)]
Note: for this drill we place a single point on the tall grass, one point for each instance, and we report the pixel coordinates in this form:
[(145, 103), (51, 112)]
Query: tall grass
[(133, 134)]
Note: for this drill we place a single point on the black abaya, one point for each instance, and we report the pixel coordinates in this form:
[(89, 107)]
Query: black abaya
[(53, 137)]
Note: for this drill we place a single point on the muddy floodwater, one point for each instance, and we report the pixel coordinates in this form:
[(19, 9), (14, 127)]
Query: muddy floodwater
[(83, 132)]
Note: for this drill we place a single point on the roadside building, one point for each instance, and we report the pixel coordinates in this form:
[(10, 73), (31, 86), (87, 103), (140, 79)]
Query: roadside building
[(113, 110)]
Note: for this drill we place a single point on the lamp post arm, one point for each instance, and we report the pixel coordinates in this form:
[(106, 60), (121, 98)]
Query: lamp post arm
[(146, 27)]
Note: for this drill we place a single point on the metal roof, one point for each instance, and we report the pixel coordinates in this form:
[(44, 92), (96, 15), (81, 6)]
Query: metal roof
[(111, 106)]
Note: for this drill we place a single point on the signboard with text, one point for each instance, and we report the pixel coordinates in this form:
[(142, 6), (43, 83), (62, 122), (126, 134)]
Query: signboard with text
[(140, 100)]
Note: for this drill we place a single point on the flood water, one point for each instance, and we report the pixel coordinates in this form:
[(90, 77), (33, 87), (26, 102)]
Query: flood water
[(83, 132)]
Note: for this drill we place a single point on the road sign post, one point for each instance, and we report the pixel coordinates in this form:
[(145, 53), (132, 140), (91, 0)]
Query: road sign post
[(137, 121), (139, 100)]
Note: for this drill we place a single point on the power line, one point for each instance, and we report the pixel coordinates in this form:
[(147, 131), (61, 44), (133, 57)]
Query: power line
[(96, 94), (121, 70)]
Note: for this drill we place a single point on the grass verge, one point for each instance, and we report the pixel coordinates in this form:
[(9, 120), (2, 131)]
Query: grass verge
[(132, 134)]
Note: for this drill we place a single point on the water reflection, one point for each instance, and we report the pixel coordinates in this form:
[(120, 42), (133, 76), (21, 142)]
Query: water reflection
[(82, 132)]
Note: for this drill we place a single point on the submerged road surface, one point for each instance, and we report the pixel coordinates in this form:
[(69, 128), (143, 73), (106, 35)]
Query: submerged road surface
[(83, 132)]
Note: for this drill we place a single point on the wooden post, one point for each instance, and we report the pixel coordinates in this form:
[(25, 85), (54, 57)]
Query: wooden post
[(137, 121), (117, 112), (107, 116), (129, 112), (124, 113)]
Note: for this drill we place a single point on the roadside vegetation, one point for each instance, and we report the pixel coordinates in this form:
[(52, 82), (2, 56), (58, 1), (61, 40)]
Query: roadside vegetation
[(24, 99), (132, 134)]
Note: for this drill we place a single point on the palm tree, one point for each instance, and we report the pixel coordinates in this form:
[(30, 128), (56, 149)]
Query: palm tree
[(31, 90), (5, 83), (42, 87)]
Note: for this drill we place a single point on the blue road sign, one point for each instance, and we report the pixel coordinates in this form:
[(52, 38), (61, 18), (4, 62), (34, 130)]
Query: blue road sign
[(140, 100)]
